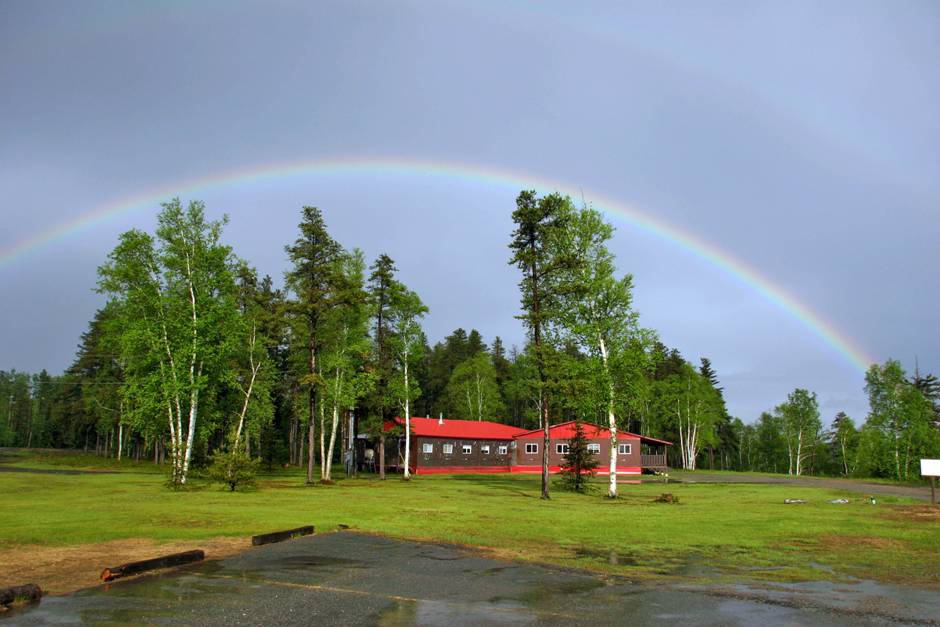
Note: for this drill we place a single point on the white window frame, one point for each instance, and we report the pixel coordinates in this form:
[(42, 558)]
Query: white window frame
[(531, 448), (448, 449), (427, 448), (594, 447), (466, 449), (624, 449), (562, 448), (502, 449), (485, 449)]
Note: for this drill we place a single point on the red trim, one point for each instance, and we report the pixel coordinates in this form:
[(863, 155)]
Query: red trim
[(447, 470), (565, 431), (621, 470)]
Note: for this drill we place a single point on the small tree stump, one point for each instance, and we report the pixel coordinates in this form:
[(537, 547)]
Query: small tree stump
[(666, 498)]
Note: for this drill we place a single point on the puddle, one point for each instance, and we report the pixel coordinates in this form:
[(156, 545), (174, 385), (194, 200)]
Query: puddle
[(305, 562), (425, 612), (614, 558)]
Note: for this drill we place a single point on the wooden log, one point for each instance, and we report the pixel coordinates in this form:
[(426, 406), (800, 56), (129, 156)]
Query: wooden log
[(29, 592), (280, 536), (133, 568)]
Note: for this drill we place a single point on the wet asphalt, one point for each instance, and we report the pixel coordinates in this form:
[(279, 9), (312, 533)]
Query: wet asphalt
[(348, 578)]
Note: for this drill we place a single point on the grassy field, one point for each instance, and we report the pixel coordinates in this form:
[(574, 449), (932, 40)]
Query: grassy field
[(716, 532)]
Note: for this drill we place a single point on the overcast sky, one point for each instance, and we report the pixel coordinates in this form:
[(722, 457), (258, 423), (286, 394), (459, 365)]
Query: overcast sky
[(801, 138)]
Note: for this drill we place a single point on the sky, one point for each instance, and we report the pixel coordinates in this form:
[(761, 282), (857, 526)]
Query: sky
[(796, 141)]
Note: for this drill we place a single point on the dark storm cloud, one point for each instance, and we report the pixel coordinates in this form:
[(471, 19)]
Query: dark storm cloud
[(799, 138)]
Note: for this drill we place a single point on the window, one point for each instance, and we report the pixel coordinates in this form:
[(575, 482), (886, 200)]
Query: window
[(427, 448), (485, 449), (467, 449), (503, 449), (594, 447), (531, 448), (448, 449), (561, 448), (624, 449)]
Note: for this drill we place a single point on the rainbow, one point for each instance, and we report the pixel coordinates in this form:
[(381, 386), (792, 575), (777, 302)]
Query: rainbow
[(471, 173)]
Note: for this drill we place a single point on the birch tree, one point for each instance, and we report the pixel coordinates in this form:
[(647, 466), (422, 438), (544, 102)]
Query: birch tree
[(346, 347), (902, 418), (472, 390), (252, 373), (694, 408), (174, 297), (408, 344), (597, 310), (799, 416)]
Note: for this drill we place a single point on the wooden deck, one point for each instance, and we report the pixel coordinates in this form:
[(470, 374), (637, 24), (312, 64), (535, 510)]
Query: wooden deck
[(653, 461)]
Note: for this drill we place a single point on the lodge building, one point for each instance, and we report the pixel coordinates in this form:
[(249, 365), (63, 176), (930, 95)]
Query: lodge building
[(471, 446)]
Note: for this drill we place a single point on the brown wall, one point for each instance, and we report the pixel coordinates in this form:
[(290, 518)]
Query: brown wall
[(558, 459), (458, 458)]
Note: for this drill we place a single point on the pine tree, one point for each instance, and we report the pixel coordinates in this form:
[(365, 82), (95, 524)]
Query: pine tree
[(312, 280), (538, 221), (580, 463)]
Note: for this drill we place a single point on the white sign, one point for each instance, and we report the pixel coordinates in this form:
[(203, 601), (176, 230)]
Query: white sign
[(930, 468)]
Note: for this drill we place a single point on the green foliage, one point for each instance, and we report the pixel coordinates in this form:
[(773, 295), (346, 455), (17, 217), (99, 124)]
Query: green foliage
[(580, 464), (799, 419), (173, 297), (234, 468), (472, 392), (900, 428)]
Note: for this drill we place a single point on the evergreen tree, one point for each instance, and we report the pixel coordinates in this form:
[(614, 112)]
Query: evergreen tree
[(312, 279), (580, 463), (534, 247)]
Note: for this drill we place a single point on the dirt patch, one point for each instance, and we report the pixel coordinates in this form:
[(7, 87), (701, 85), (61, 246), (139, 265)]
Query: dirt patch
[(915, 513), (860, 542), (64, 569)]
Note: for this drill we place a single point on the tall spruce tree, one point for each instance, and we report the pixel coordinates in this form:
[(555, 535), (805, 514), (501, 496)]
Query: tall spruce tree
[(534, 251), (312, 279)]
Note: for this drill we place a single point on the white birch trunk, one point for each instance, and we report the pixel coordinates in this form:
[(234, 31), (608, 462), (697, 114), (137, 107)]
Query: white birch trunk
[(247, 393), (407, 422), (337, 386), (324, 462), (611, 422)]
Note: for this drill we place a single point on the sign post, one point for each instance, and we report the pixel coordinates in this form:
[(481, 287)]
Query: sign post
[(931, 468)]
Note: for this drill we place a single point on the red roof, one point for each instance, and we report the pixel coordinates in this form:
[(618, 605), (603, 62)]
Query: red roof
[(466, 429), (565, 431)]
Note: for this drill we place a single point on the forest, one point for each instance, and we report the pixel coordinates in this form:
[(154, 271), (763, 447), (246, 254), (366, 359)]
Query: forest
[(194, 354)]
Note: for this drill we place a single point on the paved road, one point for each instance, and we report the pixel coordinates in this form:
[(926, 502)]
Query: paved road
[(849, 485), (350, 579)]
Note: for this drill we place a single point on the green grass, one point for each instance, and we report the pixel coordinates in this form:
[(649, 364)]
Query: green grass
[(717, 531)]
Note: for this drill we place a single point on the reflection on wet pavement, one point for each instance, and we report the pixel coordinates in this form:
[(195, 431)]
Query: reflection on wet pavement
[(351, 578)]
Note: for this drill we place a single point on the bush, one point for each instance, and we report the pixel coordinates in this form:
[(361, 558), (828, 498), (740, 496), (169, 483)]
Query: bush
[(234, 468)]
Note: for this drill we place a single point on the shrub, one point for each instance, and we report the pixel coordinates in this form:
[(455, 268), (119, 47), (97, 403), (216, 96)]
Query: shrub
[(235, 468)]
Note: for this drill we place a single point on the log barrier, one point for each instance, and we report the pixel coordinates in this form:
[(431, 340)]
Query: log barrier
[(280, 536), (133, 568)]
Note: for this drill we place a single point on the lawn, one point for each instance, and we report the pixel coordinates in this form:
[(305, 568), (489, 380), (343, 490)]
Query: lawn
[(717, 532)]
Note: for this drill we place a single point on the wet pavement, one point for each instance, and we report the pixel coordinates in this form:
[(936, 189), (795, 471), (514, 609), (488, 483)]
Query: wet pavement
[(860, 486), (351, 579)]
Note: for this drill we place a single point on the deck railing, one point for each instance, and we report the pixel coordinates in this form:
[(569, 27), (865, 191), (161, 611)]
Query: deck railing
[(653, 461)]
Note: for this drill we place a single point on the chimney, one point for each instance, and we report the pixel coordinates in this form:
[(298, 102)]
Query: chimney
[(440, 419)]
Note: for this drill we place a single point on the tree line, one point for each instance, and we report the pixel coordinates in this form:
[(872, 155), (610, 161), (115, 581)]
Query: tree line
[(194, 354)]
